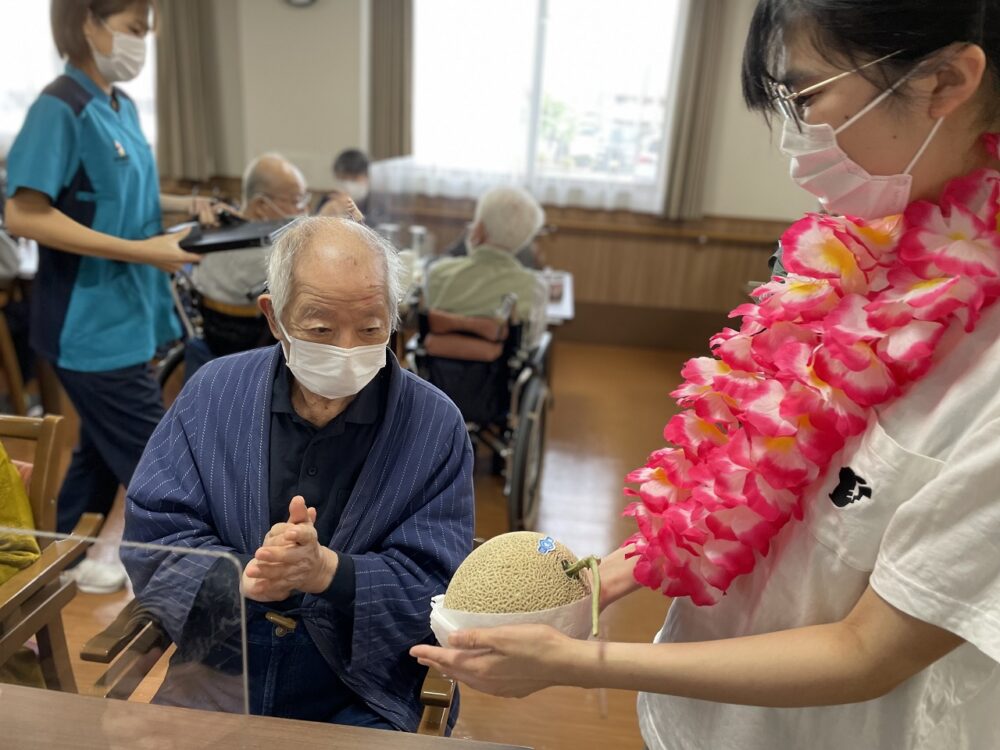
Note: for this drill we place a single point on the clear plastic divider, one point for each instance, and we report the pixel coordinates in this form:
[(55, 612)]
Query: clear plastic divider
[(174, 635)]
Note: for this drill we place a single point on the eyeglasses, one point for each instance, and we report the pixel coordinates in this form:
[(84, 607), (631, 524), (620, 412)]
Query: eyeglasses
[(301, 202), (786, 100)]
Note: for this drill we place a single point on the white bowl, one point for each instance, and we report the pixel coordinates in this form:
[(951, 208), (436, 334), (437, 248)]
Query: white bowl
[(573, 619)]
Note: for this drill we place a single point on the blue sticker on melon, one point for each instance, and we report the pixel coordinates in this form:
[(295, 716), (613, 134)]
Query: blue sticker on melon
[(546, 545)]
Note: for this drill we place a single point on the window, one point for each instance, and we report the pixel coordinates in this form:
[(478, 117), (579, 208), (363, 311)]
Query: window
[(569, 98), (29, 62)]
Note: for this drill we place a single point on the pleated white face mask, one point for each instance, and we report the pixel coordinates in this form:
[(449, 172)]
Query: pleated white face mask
[(127, 58), (332, 371), (820, 166)]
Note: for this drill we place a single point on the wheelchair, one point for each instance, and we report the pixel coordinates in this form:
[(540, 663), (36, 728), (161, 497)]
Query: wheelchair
[(501, 389), (169, 369)]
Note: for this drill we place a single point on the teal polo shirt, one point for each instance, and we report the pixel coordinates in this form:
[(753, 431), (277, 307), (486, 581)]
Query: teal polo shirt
[(92, 161)]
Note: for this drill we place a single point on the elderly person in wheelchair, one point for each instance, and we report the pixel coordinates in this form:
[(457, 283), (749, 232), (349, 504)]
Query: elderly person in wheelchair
[(354, 508), (483, 341), (506, 220)]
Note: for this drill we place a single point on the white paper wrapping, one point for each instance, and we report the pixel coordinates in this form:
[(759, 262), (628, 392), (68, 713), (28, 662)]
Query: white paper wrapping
[(572, 619)]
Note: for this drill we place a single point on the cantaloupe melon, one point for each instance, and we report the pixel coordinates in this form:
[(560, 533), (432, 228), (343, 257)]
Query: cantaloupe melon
[(522, 571)]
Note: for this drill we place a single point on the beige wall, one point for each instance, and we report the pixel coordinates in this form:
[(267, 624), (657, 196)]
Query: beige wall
[(747, 175), (292, 81), (232, 143), (295, 82)]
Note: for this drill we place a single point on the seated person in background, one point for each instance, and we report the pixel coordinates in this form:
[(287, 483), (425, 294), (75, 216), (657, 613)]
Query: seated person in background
[(506, 220), (273, 188), (350, 180), (381, 458)]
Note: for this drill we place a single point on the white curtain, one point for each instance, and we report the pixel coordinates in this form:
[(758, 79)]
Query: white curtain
[(559, 96)]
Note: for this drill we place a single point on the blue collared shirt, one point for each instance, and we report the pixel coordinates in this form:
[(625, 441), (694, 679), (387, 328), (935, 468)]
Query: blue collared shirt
[(85, 150)]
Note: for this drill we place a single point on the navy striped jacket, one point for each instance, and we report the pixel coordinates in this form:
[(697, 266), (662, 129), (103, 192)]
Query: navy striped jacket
[(202, 483)]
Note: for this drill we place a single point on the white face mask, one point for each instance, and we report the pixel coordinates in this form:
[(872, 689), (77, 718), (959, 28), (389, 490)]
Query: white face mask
[(357, 190), (331, 371), (843, 186), (128, 55)]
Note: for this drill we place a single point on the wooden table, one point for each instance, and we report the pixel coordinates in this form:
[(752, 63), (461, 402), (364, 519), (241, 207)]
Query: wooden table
[(33, 719)]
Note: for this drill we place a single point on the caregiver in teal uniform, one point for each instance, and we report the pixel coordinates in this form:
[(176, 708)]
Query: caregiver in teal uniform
[(83, 183)]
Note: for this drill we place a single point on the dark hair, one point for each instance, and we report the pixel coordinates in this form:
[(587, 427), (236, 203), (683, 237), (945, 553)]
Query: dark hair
[(351, 162), (68, 16), (849, 33)]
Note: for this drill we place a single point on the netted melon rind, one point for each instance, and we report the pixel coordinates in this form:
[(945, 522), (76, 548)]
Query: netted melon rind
[(508, 574)]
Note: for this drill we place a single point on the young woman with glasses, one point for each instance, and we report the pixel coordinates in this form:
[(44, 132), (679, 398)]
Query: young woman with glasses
[(826, 520)]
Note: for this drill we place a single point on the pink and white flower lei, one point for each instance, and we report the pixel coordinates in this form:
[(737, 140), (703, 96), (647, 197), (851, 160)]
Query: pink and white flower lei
[(856, 321)]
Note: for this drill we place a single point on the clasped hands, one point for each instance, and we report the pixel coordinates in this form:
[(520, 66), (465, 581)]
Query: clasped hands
[(290, 559)]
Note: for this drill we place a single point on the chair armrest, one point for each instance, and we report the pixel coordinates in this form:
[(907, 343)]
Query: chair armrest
[(437, 690), (436, 695), (54, 559), (89, 525), (130, 622)]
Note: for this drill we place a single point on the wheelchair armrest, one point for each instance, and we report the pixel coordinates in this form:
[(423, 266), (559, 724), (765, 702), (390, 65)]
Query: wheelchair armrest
[(130, 622), (413, 344), (539, 356)]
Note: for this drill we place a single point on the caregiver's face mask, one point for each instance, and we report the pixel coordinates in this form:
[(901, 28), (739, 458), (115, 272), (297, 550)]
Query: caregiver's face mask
[(127, 58), (357, 189), (821, 167), (332, 371)]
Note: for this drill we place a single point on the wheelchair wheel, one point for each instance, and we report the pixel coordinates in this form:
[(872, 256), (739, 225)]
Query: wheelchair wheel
[(528, 456), (170, 374)]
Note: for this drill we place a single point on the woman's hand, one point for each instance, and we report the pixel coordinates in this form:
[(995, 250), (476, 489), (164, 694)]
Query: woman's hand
[(207, 210), (512, 661), (164, 251), (617, 579), (341, 206)]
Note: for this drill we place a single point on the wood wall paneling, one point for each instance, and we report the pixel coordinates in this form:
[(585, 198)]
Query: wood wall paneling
[(618, 258)]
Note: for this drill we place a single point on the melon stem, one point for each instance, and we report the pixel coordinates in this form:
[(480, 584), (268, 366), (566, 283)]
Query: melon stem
[(573, 571)]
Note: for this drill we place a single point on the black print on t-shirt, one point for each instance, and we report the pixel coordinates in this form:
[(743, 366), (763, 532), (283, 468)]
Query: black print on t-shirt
[(850, 489)]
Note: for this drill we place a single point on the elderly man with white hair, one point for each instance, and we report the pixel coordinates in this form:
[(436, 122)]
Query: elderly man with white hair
[(342, 482), (506, 220), (273, 188)]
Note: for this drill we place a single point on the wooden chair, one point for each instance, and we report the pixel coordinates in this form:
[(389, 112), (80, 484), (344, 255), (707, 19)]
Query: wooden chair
[(32, 600), (8, 359)]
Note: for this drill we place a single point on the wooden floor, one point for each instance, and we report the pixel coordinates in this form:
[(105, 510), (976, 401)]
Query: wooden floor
[(610, 407)]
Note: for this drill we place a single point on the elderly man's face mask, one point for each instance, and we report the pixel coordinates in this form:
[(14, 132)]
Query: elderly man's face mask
[(332, 371)]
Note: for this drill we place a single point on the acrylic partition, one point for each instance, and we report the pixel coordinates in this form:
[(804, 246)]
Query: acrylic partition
[(174, 636)]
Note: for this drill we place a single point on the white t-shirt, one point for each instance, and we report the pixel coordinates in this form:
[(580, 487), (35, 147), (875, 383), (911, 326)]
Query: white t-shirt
[(918, 516)]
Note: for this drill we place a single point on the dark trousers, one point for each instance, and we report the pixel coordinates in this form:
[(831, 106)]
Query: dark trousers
[(229, 334), (289, 678), (119, 409), (224, 334)]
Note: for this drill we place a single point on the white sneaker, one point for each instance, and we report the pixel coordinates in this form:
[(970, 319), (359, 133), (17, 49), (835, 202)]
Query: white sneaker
[(93, 577)]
